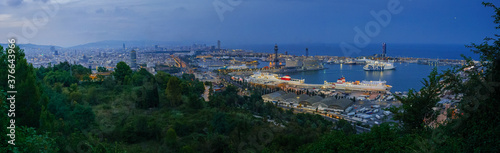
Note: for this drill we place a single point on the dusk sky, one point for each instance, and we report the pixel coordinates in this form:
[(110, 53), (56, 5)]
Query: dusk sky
[(76, 22)]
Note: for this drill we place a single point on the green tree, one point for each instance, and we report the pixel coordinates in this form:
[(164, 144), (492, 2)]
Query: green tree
[(80, 71), (28, 140), (147, 96), (416, 109), (171, 138), (173, 91), (162, 79), (47, 121), (122, 70), (141, 76), (82, 117), (476, 118), (28, 90), (102, 69)]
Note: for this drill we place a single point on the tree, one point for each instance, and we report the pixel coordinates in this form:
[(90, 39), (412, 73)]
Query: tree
[(102, 69), (47, 120), (82, 117), (141, 76), (162, 79), (171, 138), (345, 126), (416, 110), (28, 90), (80, 71), (63, 77), (475, 120), (147, 96), (173, 91), (122, 70)]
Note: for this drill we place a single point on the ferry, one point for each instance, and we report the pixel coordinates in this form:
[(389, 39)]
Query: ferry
[(357, 85), (268, 77), (379, 66), (237, 67)]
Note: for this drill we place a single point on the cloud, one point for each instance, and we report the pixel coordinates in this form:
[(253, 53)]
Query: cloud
[(99, 11), (120, 10), (180, 9), (45, 1), (5, 17), (14, 2)]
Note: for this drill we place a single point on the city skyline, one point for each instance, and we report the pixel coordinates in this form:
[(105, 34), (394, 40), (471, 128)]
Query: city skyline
[(45, 22)]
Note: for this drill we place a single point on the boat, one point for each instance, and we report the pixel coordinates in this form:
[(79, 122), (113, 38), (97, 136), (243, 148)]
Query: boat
[(270, 77), (286, 77), (330, 61), (237, 67), (350, 62), (358, 85), (379, 66)]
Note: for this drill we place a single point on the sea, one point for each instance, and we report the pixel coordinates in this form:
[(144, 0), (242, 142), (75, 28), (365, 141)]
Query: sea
[(406, 76), (441, 51)]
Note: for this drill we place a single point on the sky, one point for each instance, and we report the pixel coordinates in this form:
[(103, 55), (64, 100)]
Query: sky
[(73, 22)]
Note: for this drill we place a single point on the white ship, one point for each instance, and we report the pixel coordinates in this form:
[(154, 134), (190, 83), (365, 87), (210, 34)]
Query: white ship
[(379, 66), (258, 77), (357, 85), (237, 67)]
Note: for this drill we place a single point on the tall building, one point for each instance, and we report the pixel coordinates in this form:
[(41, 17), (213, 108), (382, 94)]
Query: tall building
[(307, 52), (124, 47), (133, 58), (276, 61), (218, 44), (383, 49), (53, 49)]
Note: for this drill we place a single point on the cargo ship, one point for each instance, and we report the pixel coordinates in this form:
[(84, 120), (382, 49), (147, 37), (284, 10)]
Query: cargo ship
[(357, 85), (270, 77)]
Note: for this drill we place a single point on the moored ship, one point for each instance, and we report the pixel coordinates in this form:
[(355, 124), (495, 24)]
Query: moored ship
[(357, 85), (379, 66), (270, 77)]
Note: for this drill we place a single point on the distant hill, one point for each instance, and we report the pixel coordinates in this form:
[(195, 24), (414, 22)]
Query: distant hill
[(128, 44), (25, 46), (110, 44)]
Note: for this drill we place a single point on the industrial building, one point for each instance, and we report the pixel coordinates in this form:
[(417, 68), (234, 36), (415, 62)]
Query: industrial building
[(314, 102)]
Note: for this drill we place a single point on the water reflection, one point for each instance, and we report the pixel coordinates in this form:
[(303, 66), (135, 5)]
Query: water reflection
[(404, 77)]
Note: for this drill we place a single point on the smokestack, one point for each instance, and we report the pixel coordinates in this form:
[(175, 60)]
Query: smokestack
[(307, 52), (276, 61), (383, 49)]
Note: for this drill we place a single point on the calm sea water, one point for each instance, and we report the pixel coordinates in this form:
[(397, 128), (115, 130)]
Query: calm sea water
[(403, 78), (441, 51)]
